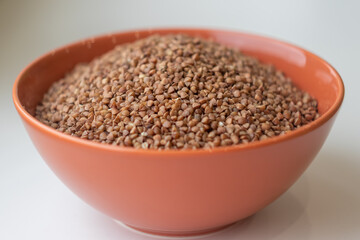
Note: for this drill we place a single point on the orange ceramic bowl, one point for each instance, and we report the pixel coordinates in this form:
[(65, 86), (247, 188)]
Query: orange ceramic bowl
[(188, 191)]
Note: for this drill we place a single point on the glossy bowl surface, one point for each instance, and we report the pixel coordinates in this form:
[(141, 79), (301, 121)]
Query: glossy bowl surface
[(189, 191)]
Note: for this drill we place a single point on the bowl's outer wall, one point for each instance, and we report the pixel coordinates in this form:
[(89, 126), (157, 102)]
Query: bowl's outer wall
[(179, 191), (173, 192)]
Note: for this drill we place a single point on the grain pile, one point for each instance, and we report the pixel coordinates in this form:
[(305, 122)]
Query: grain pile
[(175, 91)]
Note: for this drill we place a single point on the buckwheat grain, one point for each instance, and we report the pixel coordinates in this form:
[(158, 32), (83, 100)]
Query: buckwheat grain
[(176, 92)]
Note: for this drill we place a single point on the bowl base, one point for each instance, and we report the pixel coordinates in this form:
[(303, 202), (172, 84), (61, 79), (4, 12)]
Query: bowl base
[(176, 235)]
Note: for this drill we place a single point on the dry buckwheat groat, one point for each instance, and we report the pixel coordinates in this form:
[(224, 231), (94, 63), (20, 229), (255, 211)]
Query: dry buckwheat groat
[(176, 92)]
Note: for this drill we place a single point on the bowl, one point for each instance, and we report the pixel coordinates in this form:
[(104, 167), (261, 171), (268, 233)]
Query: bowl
[(181, 192)]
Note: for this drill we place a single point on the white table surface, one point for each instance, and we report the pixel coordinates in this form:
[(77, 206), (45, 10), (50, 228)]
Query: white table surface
[(323, 204)]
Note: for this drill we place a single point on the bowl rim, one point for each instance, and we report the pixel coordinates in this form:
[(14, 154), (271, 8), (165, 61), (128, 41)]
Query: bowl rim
[(26, 116)]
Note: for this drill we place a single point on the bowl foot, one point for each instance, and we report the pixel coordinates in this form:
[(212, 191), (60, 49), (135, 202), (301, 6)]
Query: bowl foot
[(175, 235)]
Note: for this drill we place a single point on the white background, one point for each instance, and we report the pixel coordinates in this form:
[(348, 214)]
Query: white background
[(323, 204)]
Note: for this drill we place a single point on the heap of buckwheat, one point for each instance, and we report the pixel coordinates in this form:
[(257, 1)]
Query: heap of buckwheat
[(175, 91)]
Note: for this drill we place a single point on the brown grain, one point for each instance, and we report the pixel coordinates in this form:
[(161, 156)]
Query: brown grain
[(178, 92)]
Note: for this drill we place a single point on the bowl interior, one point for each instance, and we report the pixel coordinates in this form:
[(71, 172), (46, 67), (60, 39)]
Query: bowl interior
[(307, 71)]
